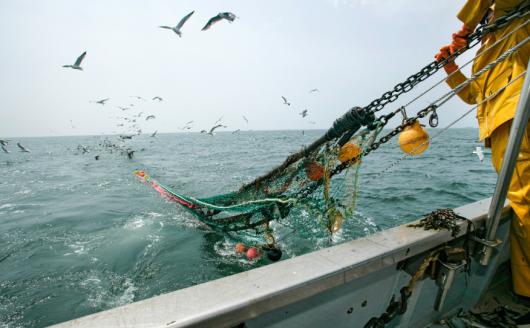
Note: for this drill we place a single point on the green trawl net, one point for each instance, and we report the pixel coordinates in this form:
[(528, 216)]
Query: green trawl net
[(319, 182)]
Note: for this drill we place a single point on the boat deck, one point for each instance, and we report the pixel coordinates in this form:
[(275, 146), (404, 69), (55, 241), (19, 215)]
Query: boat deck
[(498, 308)]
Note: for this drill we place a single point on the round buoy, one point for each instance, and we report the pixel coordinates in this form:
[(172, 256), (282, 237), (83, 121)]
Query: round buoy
[(241, 248), (348, 152), (314, 171), (273, 253), (252, 253), (414, 140)]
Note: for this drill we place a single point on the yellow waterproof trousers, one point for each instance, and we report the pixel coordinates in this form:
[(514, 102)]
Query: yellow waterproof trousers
[(519, 196)]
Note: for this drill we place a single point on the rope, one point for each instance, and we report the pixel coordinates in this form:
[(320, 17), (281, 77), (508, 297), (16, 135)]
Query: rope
[(486, 68), (467, 63), (448, 126)]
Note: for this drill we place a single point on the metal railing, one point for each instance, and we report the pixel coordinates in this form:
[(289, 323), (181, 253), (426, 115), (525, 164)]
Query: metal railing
[(517, 132)]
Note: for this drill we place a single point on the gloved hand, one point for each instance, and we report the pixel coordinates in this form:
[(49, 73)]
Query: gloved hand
[(460, 38), (446, 52), (459, 41)]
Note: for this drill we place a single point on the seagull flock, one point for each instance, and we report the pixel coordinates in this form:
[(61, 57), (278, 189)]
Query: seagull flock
[(132, 120), (130, 123)]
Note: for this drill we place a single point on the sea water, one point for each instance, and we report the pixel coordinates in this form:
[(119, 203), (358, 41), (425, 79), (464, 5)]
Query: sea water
[(80, 235)]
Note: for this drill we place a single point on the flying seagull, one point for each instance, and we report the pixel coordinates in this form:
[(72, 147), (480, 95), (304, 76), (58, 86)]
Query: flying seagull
[(77, 64), (227, 15), (150, 117), (314, 90), (157, 98), (102, 101), (138, 97), (479, 152), (22, 148), (154, 133), (211, 132), (246, 120), (123, 108), (285, 102), (177, 28), (303, 113)]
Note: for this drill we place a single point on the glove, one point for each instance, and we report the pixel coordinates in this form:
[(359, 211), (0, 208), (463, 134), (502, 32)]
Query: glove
[(459, 42), (460, 38), (446, 52)]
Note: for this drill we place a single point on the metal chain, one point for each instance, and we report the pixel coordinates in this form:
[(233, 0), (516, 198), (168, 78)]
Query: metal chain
[(397, 307), (383, 120), (485, 51), (409, 121), (496, 93), (439, 102), (430, 69)]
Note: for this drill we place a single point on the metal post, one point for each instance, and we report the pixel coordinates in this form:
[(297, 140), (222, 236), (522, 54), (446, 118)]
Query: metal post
[(519, 123)]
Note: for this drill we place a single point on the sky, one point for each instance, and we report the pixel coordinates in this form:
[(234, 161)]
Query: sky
[(351, 50)]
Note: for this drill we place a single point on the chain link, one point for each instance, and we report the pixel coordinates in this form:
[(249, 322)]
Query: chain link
[(407, 86), (427, 71)]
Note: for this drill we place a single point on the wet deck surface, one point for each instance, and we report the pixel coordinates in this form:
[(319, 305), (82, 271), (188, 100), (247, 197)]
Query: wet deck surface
[(499, 307)]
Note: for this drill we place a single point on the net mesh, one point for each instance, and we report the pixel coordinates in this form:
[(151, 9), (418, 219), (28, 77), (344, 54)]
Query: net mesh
[(321, 185)]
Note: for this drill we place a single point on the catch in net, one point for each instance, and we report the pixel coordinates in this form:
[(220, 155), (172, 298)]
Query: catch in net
[(318, 182)]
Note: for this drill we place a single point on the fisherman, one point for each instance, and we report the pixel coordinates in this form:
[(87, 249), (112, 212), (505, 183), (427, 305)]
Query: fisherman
[(495, 115)]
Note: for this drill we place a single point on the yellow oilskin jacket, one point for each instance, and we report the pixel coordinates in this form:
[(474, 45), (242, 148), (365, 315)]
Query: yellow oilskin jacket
[(495, 115), (501, 108)]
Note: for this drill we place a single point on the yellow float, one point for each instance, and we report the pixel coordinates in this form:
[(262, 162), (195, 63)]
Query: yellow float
[(414, 140), (348, 152)]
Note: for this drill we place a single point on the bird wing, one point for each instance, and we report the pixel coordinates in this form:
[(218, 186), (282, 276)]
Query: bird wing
[(22, 147), (80, 59), (228, 16), (5, 149), (245, 118), (284, 99), (212, 21), (184, 20), (166, 27), (215, 127)]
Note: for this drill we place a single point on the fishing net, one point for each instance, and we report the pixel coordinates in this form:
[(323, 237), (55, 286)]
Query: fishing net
[(319, 182)]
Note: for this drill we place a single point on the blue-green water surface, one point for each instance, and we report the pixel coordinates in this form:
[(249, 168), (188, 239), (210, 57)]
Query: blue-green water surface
[(79, 236)]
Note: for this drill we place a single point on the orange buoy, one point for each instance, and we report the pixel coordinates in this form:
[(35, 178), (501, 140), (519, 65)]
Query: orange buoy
[(241, 248), (348, 152), (414, 140), (253, 253), (314, 171)]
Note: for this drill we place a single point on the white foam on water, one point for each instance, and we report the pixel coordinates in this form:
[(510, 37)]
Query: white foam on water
[(135, 223), (23, 192), (128, 294)]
